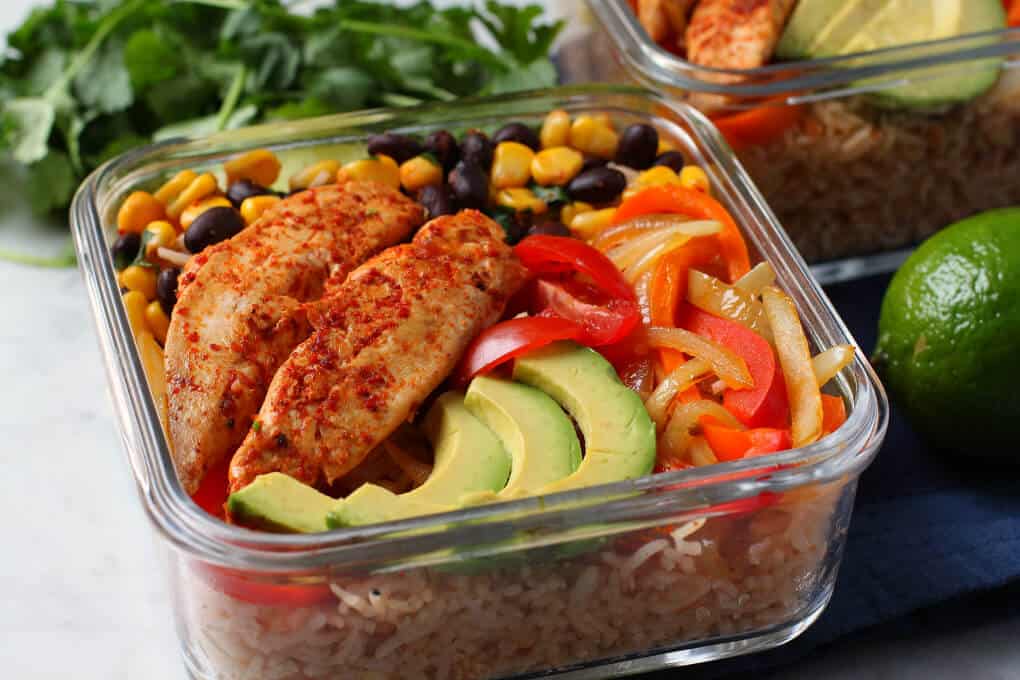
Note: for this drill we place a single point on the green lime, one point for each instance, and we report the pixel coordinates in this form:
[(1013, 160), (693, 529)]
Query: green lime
[(949, 336)]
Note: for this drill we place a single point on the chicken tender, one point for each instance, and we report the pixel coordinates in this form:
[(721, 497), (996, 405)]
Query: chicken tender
[(239, 311), (382, 343), (736, 34)]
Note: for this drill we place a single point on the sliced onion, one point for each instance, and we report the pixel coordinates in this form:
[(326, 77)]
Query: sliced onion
[(647, 262), (174, 257), (630, 251), (701, 453), (795, 358), (676, 440), (683, 377), (642, 291), (830, 362), (726, 364), (624, 231), (753, 281), (729, 302), (151, 355), (415, 470)]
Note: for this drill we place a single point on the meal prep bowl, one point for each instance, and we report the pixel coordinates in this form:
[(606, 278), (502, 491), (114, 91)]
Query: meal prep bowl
[(849, 178), (665, 570)]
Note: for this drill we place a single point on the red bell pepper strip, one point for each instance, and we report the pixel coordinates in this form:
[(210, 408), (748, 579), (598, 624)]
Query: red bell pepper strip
[(759, 125), (731, 444), (212, 492), (605, 321), (245, 586), (765, 404), (543, 254), (511, 338), (833, 413), (672, 198)]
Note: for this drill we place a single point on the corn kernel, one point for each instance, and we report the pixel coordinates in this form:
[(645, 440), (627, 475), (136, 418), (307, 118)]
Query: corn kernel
[(555, 129), (140, 279), (163, 236), (258, 165), (664, 146), (172, 188), (157, 320), (253, 207), (381, 169), (693, 177), (419, 172), (588, 225), (201, 187), (590, 136), (572, 210), (314, 175), (520, 200), (511, 165), (196, 209), (138, 210), (557, 165), (134, 305), (603, 119), (657, 176)]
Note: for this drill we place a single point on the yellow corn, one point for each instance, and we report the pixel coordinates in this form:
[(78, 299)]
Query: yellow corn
[(693, 177), (163, 236), (314, 175), (140, 279), (555, 129), (258, 165), (253, 207), (657, 176), (157, 320), (572, 210), (196, 209), (511, 165), (593, 137), (201, 187), (521, 199), (664, 146), (174, 186), (419, 172), (557, 165), (138, 210), (587, 225), (603, 119), (381, 169), (135, 304)]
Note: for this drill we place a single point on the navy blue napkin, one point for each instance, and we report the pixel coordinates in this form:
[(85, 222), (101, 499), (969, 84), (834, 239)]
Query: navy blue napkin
[(926, 528)]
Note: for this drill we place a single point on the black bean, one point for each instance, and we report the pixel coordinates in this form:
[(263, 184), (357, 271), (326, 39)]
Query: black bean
[(671, 159), (444, 147), (212, 226), (245, 188), (470, 185), (517, 132), (549, 228), (598, 185), (398, 147), (593, 162), (638, 145), (125, 249), (477, 148), (437, 199), (166, 288)]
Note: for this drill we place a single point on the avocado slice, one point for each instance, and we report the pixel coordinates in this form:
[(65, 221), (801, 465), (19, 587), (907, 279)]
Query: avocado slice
[(469, 459), (821, 28), (619, 436), (535, 431), (279, 503)]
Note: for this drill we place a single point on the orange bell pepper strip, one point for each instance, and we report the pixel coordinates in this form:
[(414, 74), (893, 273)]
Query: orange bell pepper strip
[(833, 413), (731, 444), (1013, 18), (758, 126), (676, 199)]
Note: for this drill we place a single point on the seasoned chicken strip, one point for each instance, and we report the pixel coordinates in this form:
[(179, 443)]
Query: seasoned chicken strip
[(736, 34), (663, 19), (382, 344), (239, 309)]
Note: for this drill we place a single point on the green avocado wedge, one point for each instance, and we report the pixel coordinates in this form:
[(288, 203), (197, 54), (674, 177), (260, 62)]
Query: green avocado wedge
[(469, 459), (535, 431), (281, 504), (619, 436)]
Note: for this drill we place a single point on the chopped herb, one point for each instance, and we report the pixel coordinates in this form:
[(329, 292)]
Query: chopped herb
[(551, 195), (257, 426)]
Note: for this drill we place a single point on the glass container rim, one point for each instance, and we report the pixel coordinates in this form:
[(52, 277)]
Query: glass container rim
[(843, 454)]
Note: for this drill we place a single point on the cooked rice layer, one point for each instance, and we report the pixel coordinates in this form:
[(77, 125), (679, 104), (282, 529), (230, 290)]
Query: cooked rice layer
[(700, 580), (852, 180)]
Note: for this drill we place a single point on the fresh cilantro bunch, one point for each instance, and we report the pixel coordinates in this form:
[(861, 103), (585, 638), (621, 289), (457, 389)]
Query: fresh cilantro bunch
[(84, 80)]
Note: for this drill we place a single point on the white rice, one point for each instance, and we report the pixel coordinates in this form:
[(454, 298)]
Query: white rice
[(726, 576)]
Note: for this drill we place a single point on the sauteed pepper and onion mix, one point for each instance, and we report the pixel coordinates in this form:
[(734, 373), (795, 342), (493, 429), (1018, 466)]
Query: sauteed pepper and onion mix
[(625, 251)]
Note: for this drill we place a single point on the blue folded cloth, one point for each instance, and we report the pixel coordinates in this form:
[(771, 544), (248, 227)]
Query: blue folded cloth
[(925, 529)]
